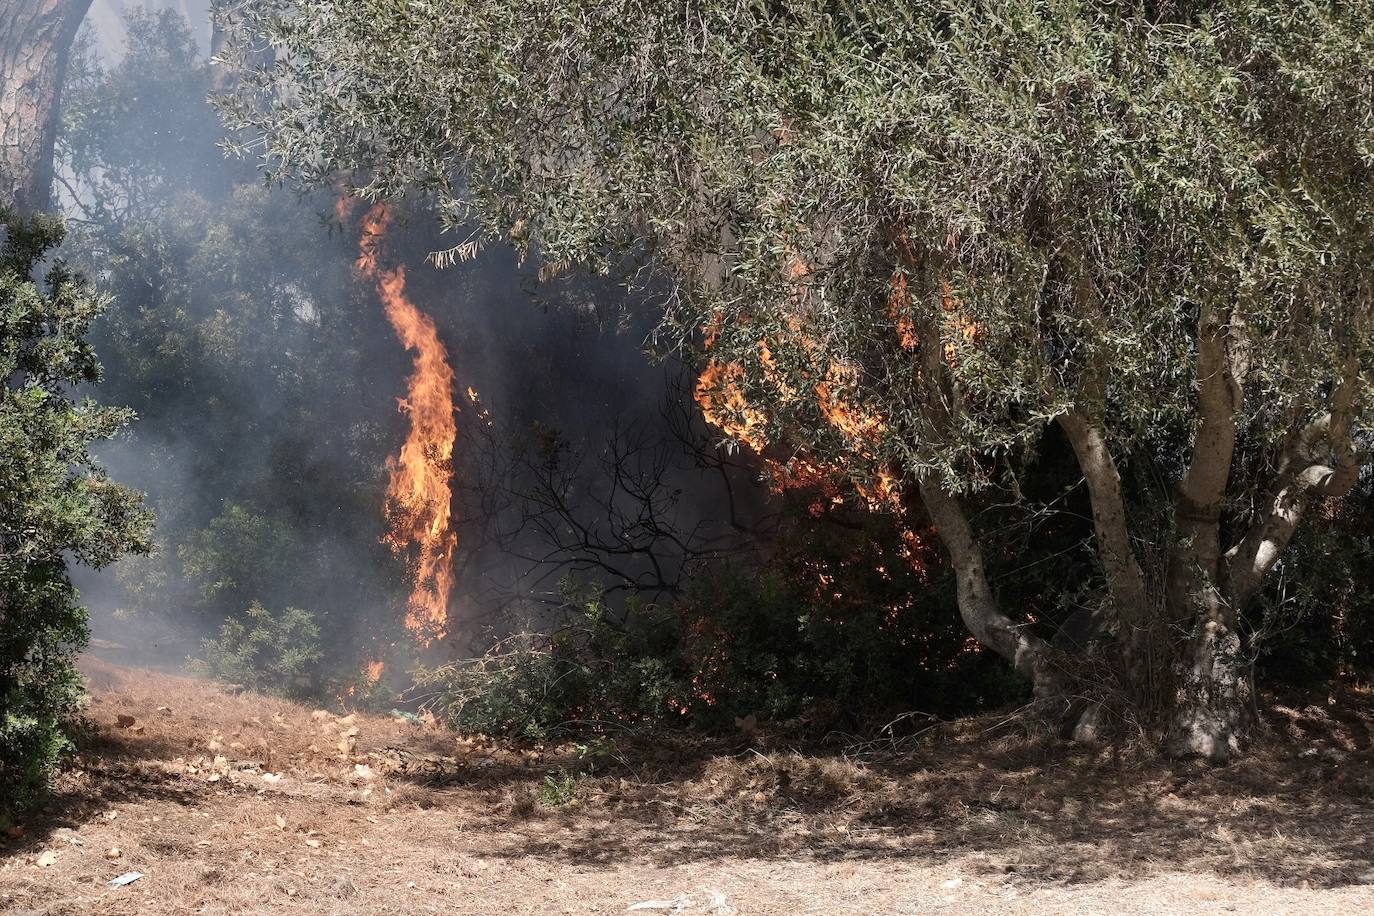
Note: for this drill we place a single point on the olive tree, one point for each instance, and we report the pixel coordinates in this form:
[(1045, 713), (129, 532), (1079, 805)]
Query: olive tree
[(917, 238)]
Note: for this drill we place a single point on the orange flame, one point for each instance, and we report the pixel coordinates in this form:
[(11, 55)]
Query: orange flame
[(373, 672), (419, 495), (720, 392)]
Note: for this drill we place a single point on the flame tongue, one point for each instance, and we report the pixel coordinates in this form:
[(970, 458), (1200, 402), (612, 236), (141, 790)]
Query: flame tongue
[(419, 494)]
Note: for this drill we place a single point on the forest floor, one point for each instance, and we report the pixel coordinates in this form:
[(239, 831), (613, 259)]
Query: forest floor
[(238, 803)]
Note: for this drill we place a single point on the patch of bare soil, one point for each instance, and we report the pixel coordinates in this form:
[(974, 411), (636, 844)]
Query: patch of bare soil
[(239, 803)]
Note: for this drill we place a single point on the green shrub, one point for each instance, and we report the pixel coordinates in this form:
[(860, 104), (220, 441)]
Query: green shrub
[(560, 789), (591, 674), (277, 654), (56, 504), (1315, 620)]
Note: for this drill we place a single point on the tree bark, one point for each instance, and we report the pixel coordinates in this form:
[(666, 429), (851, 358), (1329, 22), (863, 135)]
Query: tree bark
[(1318, 460), (35, 42), (1213, 690)]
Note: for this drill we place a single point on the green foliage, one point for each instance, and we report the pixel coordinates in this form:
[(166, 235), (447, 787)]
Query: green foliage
[(560, 789), (273, 653), (239, 555), (137, 135), (1083, 178), (1316, 620), (58, 504), (911, 237), (591, 674)]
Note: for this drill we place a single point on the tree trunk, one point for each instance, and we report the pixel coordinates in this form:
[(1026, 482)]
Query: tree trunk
[(35, 41), (1212, 691), (1213, 712), (1130, 610), (1028, 654)]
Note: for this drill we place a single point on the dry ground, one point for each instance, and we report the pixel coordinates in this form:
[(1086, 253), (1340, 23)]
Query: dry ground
[(239, 803)]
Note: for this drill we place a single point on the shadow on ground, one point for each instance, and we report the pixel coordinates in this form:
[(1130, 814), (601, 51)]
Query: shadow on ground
[(1299, 809)]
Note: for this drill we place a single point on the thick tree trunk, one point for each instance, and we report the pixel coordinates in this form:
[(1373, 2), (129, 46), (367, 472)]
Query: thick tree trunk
[(35, 41), (1212, 699), (1213, 712), (1211, 691)]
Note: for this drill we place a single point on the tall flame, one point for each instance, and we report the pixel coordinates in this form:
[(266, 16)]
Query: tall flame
[(418, 497)]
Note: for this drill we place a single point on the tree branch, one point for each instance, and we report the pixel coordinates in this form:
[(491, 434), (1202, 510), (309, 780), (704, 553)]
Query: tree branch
[(1125, 579), (978, 606), (1318, 460)]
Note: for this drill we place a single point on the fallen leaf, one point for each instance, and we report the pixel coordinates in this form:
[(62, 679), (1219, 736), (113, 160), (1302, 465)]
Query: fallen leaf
[(281, 822), (114, 852), (313, 844), (47, 859)]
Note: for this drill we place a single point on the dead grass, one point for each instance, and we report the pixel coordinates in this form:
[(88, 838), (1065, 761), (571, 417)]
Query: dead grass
[(238, 803)]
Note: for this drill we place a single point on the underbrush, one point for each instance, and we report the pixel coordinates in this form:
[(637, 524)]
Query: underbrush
[(740, 650)]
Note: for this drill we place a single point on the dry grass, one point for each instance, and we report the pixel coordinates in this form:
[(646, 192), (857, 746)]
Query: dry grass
[(245, 804)]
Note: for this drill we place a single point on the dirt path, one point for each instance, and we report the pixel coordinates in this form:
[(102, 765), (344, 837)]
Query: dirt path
[(246, 804)]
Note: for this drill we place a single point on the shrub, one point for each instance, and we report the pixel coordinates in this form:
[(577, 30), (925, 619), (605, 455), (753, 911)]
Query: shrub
[(58, 505), (593, 673), (560, 789), (740, 643), (272, 653)]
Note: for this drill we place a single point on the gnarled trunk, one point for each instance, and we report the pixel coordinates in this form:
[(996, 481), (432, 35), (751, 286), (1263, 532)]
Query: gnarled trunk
[(1212, 716), (1028, 654), (35, 41), (1129, 610), (1208, 588)]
